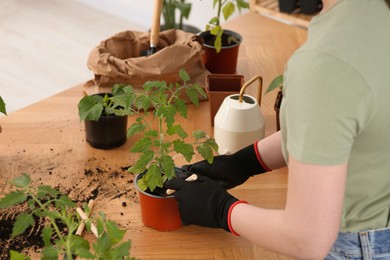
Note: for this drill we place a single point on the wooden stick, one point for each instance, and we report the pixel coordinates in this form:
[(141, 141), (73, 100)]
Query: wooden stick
[(80, 229), (85, 217), (192, 177)]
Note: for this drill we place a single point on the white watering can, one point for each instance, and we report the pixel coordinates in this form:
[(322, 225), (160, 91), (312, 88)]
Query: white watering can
[(239, 121)]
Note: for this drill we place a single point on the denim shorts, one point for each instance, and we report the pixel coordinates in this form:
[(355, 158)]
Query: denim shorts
[(363, 245)]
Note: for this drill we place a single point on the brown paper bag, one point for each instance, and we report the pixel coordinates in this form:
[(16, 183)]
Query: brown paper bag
[(119, 60)]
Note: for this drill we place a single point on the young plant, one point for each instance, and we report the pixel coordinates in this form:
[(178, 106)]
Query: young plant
[(119, 103), (277, 82), (227, 8), (169, 13), (156, 146), (58, 210)]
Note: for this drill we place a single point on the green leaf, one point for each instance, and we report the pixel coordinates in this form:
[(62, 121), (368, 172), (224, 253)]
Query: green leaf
[(228, 10), (212, 143), (185, 149), (181, 107), (206, 152), (84, 253), (50, 252), (214, 21), (115, 234), (241, 4), (90, 108), (2, 106), (141, 145), (17, 256), (135, 129), (199, 134), (276, 82), (21, 181), (77, 242), (64, 201), (12, 198), (47, 233), (200, 90), (140, 166), (23, 221), (184, 75), (177, 129), (143, 102), (47, 190), (168, 166), (123, 250), (193, 95), (153, 177)]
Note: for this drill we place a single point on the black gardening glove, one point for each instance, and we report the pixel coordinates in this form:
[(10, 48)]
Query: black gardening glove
[(231, 170), (202, 202)]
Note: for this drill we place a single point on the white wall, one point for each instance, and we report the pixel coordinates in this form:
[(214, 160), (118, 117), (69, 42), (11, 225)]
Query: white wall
[(140, 11)]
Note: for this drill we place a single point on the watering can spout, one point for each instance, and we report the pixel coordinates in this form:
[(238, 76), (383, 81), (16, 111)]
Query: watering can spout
[(239, 121)]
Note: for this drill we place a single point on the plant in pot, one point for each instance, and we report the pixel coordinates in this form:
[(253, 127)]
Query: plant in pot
[(277, 82), (2, 108), (221, 46), (162, 138), (169, 15), (105, 116)]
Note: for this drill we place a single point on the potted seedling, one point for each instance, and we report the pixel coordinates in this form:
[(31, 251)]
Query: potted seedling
[(163, 138), (221, 46), (277, 82), (59, 219), (169, 15), (2, 108), (105, 116)]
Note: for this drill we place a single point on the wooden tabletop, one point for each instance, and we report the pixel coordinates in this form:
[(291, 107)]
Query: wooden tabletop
[(47, 141)]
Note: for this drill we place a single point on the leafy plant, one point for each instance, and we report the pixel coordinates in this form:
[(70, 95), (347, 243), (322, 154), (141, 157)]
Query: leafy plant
[(275, 83), (158, 129), (227, 8), (169, 13), (119, 103), (59, 210), (2, 106)]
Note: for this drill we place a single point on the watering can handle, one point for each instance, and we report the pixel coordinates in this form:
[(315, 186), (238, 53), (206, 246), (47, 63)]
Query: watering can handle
[(242, 91)]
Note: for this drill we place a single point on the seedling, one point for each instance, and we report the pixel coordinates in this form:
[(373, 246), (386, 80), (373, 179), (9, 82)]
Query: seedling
[(162, 135), (59, 210)]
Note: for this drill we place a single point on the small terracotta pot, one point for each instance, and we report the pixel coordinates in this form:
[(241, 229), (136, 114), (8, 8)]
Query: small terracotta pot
[(106, 133), (224, 62), (278, 103), (160, 213), (219, 86)]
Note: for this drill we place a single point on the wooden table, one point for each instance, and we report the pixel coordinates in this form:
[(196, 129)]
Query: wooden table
[(47, 141)]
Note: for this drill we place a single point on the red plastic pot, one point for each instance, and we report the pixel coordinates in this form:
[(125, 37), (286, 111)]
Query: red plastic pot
[(160, 213), (225, 61)]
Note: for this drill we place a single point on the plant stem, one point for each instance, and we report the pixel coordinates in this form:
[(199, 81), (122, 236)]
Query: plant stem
[(57, 230)]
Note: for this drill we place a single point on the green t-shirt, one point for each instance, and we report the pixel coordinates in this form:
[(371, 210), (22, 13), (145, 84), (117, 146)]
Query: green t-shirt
[(336, 105)]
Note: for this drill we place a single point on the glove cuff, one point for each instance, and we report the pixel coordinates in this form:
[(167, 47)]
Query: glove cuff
[(266, 168), (229, 216)]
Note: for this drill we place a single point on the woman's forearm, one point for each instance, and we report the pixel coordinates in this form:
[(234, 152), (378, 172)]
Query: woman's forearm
[(270, 150)]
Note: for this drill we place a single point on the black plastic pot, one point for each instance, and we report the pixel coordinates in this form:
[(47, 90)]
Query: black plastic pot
[(310, 6), (224, 62), (287, 6), (106, 133)]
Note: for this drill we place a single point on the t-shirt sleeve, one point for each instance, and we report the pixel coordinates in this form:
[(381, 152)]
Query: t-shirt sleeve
[(327, 104)]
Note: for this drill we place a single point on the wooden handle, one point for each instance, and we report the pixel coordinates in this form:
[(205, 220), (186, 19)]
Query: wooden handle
[(155, 30)]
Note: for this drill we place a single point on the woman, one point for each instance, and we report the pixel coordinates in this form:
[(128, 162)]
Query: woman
[(336, 142)]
